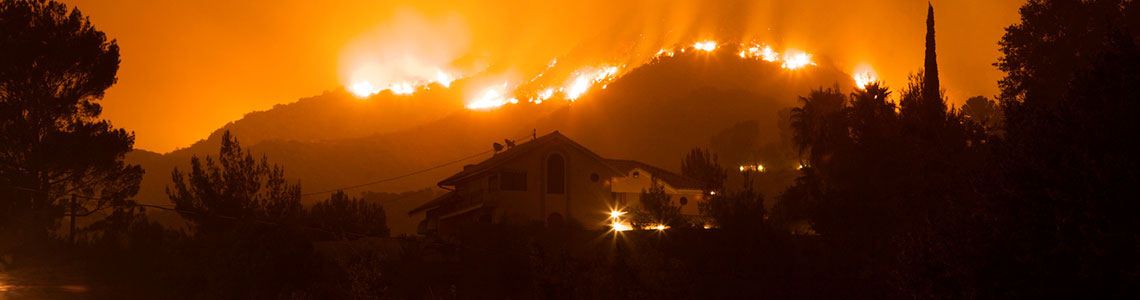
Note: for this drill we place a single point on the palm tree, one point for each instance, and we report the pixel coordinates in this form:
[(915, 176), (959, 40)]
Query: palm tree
[(870, 113), (818, 124)]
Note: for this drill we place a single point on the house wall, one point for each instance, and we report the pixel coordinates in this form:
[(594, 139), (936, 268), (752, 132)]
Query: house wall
[(584, 201), (629, 189)]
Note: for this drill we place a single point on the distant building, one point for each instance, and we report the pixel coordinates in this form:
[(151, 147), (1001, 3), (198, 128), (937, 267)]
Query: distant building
[(553, 181)]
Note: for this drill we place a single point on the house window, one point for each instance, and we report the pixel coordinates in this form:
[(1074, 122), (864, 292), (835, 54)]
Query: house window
[(493, 182), (513, 181), (555, 174)]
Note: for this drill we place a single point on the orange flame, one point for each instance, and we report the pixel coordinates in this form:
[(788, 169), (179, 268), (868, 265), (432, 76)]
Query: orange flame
[(864, 74)]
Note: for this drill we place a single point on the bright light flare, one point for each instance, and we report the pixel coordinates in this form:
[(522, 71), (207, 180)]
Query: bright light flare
[(864, 74), (619, 226), (748, 168), (614, 214), (795, 59), (659, 227), (707, 46)]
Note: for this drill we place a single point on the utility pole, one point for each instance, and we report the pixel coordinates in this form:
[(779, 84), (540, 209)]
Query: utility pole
[(71, 233)]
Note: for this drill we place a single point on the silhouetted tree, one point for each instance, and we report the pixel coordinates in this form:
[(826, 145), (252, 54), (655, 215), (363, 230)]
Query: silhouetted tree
[(656, 208), (898, 189), (932, 102), (235, 187), (871, 115), (818, 124), (348, 217), (738, 210), (54, 68), (985, 112), (1070, 99), (702, 165)]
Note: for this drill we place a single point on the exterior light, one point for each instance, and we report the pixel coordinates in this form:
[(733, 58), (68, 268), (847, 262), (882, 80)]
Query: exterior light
[(619, 226), (614, 214)]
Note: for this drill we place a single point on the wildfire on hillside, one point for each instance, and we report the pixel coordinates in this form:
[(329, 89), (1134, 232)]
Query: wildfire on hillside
[(567, 85)]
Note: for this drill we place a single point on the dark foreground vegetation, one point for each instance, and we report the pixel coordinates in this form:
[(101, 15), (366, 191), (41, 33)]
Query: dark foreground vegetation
[(1029, 196)]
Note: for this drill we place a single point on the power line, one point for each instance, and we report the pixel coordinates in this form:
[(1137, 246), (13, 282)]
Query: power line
[(175, 209), (408, 174)]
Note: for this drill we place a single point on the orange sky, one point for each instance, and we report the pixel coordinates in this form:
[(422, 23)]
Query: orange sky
[(189, 67)]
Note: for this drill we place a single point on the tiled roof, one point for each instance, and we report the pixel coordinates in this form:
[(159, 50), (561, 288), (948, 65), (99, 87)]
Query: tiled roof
[(675, 180), (515, 152)]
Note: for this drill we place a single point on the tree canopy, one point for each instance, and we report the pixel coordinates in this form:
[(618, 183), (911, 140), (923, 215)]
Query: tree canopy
[(54, 70), (234, 187)]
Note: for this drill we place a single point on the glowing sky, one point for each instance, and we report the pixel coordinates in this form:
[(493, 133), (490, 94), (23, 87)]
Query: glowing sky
[(189, 67)]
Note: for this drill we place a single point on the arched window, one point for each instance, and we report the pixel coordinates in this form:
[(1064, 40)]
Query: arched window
[(555, 174)]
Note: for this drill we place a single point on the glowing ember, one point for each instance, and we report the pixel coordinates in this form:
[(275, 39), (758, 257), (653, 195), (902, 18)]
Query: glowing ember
[(796, 59), (707, 46), (864, 75)]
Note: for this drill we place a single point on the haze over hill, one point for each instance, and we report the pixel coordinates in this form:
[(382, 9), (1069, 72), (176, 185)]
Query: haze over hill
[(655, 114)]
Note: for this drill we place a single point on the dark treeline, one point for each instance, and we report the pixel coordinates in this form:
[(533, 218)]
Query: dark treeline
[(899, 195)]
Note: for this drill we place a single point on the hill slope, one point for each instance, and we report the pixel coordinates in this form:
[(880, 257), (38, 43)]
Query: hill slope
[(655, 114)]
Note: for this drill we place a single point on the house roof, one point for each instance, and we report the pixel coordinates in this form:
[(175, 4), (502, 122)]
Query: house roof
[(618, 166), (675, 180), (433, 203), (518, 151)]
